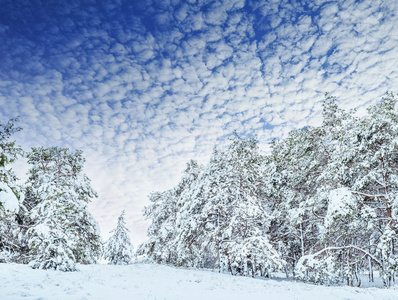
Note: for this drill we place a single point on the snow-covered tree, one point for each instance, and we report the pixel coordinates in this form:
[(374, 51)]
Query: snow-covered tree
[(235, 210), (356, 196), (290, 181), (9, 150), (119, 250), (168, 213), (61, 231), (325, 200), (373, 166), (215, 217), (10, 193), (161, 234)]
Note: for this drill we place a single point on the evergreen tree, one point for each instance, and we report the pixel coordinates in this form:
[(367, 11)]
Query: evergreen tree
[(161, 234), (119, 250), (214, 218), (325, 200), (290, 183), (372, 145), (357, 195), (60, 231), (235, 210), (10, 193), (168, 215)]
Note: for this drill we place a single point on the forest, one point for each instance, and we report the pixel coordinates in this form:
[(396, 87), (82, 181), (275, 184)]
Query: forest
[(322, 206)]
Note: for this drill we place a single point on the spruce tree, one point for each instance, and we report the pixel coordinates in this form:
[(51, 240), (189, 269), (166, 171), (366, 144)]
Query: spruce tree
[(119, 250)]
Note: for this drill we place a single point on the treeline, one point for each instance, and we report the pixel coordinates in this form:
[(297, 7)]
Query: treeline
[(45, 222), (322, 206)]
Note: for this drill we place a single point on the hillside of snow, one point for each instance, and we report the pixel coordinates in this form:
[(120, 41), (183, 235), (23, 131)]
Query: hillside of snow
[(151, 281)]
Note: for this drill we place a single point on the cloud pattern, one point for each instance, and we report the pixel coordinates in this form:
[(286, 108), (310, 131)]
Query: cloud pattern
[(144, 86)]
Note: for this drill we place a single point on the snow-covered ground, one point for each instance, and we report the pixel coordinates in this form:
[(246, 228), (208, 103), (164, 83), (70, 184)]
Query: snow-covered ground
[(149, 281)]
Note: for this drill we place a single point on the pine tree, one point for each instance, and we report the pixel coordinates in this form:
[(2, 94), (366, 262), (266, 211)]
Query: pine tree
[(119, 250), (325, 200), (10, 193), (221, 215), (168, 213), (161, 234), (373, 143), (355, 202), (290, 183), (61, 231)]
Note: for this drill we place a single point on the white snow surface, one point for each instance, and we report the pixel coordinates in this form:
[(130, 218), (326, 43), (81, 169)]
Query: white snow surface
[(151, 281), (8, 198)]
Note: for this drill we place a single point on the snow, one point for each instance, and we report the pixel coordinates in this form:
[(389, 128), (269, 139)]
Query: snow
[(151, 281), (341, 201), (8, 198), (42, 230)]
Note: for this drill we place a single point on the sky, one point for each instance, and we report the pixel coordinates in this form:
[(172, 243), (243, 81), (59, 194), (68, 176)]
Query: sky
[(144, 86)]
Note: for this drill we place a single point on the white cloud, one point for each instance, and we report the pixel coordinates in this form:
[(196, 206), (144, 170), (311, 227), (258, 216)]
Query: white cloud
[(215, 14)]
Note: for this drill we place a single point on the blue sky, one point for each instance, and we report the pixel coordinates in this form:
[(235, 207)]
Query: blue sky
[(144, 86)]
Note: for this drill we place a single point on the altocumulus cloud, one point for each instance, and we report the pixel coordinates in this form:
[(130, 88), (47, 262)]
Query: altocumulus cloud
[(142, 86)]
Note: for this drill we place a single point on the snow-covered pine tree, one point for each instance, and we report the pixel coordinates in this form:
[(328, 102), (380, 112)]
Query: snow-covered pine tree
[(290, 181), (326, 261), (327, 200), (356, 200), (162, 212), (193, 255), (224, 216), (373, 145), (119, 250), (215, 218), (10, 194), (61, 230), (168, 213)]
